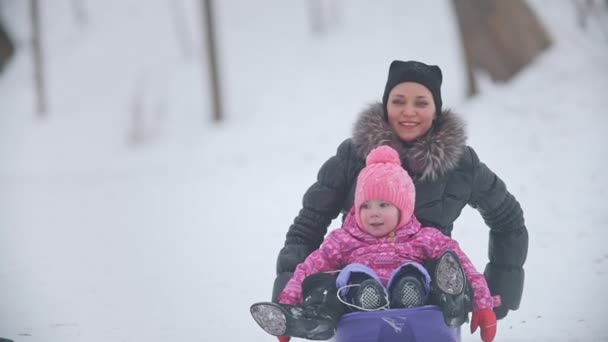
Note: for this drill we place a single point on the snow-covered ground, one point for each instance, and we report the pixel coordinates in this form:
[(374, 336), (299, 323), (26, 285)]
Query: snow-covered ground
[(127, 215)]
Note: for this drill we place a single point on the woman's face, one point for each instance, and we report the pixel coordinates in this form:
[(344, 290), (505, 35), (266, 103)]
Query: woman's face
[(411, 110)]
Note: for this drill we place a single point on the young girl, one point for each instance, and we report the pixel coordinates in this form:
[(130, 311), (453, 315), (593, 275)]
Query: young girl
[(379, 252)]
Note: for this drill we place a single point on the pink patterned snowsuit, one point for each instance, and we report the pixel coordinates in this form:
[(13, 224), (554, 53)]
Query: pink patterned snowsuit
[(409, 243)]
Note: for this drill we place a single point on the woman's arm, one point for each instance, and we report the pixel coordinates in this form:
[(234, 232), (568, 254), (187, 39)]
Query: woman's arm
[(508, 244), (321, 203), (325, 259)]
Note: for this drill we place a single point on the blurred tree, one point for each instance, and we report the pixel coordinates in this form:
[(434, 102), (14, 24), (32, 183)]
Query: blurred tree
[(80, 13), (7, 47), (148, 108), (181, 28), (500, 37), (323, 15), (592, 9), (38, 58), (209, 29)]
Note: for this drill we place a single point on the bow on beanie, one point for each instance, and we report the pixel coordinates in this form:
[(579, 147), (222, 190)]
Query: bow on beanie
[(383, 178), (429, 76), (485, 319)]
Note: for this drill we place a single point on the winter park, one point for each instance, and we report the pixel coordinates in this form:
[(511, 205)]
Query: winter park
[(154, 154)]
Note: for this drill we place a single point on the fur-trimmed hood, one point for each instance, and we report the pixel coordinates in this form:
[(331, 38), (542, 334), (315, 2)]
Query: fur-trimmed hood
[(427, 158)]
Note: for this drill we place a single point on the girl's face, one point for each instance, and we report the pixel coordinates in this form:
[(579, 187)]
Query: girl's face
[(379, 217), (411, 110)]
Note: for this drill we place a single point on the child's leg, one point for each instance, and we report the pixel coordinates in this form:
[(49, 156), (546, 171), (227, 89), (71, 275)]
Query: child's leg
[(409, 286), (316, 319), (450, 288), (361, 289), (289, 320), (320, 296)]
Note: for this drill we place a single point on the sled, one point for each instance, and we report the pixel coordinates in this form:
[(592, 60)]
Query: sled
[(419, 324)]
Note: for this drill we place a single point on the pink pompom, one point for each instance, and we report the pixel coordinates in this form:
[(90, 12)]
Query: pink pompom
[(383, 154)]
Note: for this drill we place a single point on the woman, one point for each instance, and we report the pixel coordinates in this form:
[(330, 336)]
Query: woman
[(447, 175)]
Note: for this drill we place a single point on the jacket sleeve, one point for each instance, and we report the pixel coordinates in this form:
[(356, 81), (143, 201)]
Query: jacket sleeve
[(321, 203), (325, 259), (508, 243)]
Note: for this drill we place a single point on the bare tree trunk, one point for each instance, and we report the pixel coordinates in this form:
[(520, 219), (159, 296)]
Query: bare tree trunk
[(209, 29), (315, 13), (322, 14), (499, 37), (148, 108), (181, 31), (7, 48), (38, 57), (590, 9), (80, 13)]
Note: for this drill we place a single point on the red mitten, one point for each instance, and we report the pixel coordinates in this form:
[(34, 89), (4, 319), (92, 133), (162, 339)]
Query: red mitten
[(485, 319), (284, 338)]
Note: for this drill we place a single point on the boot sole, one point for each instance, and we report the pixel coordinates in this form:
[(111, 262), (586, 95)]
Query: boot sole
[(451, 286), (279, 321), (398, 298), (270, 317), (453, 278), (371, 295)]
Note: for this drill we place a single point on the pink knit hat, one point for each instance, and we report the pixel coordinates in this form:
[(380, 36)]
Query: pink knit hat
[(383, 178)]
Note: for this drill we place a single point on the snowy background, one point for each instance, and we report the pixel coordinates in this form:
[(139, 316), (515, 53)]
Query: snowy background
[(127, 215)]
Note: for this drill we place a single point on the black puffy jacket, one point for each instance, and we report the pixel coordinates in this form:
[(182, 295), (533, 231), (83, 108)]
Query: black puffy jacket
[(448, 175)]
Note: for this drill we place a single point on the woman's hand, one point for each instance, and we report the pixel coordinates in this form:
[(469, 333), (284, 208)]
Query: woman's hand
[(485, 319)]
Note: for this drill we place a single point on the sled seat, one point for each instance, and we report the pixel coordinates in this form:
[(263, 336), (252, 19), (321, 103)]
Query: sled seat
[(419, 324)]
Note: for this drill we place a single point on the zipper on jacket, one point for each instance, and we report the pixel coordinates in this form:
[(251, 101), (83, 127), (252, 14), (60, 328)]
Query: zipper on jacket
[(392, 237)]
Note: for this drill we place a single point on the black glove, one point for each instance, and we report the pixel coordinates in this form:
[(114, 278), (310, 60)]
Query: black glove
[(289, 257), (508, 282), (501, 312), (279, 284)]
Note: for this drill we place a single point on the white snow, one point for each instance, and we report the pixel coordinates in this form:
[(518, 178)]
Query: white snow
[(127, 215)]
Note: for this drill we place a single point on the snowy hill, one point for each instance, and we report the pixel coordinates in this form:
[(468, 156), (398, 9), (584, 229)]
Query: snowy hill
[(126, 215)]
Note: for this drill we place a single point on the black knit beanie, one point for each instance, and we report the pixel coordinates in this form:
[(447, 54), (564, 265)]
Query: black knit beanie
[(411, 71)]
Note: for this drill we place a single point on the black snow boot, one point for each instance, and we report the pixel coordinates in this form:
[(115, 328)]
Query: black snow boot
[(370, 296), (316, 319), (450, 289), (408, 292)]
